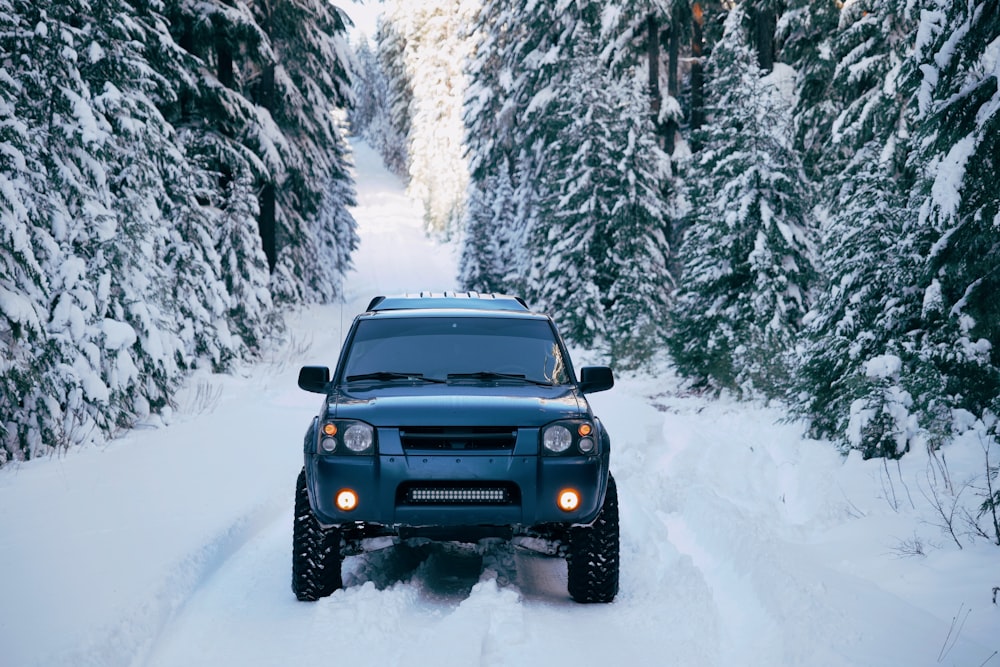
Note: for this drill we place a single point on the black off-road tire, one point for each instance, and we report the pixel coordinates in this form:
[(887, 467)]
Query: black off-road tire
[(592, 557), (316, 556)]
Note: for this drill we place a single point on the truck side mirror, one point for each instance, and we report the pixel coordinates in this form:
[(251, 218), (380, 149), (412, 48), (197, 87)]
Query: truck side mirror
[(314, 378), (596, 378)]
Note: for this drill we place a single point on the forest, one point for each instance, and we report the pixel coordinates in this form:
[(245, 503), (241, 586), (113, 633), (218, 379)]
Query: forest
[(790, 200)]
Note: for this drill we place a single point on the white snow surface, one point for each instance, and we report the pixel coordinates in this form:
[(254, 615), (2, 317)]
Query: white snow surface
[(743, 542)]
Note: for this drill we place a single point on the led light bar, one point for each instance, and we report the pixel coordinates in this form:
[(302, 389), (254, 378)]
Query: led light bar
[(446, 495)]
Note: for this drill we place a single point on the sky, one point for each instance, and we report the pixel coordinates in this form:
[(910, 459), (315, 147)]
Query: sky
[(364, 15)]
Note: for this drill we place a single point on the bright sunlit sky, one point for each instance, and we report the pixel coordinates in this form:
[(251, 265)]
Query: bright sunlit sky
[(364, 14)]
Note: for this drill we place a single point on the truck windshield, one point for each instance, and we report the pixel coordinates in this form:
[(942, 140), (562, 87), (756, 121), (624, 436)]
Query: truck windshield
[(480, 348)]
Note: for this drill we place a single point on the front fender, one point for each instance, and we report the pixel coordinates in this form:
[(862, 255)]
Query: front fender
[(309, 443)]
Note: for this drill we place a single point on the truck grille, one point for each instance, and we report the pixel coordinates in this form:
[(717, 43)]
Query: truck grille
[(457, 493), (446, 438)]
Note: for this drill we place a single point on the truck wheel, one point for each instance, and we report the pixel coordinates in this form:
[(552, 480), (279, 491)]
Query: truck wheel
[(316, 553), (592, 556)]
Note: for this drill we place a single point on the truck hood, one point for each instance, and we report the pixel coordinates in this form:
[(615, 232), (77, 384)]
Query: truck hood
[(458, 405)]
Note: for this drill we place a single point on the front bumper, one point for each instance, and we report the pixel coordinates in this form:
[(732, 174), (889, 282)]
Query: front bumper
[(533, 484)]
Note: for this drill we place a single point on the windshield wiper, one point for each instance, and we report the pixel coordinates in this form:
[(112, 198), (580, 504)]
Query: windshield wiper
[(390, 375), (490, 375)]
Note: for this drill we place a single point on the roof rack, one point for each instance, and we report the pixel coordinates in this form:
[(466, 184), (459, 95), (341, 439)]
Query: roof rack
[(470, 300)]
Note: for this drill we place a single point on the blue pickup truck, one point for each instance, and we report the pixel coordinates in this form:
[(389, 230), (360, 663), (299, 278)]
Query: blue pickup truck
[(456, 417)]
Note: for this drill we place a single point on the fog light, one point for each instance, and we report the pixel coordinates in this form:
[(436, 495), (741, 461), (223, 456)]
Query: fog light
[(586, 445), (569, 500), (347, 500)]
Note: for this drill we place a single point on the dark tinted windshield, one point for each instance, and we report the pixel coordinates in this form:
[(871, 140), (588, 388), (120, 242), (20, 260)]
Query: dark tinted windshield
[(436, 347)]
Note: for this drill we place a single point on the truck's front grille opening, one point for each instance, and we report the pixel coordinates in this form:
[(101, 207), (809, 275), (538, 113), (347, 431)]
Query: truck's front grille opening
[(457, 493), (446, 438)]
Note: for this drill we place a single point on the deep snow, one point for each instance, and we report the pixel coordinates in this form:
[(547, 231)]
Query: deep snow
[(743, 542)]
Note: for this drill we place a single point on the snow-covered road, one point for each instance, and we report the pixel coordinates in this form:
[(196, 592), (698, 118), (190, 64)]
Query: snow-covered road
[(743, 543)]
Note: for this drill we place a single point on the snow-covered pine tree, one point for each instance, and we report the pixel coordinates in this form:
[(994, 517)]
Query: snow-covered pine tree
[(600, 243), (109, 356), (638, 298), (868, 51), (804, 36), (570, 240), (315, 232), (853, 371), (394, 133), (251, 314), (956, 231), (224, 137), (486, 246), (27, 419), (518, 65), (859, 317), (747, 264), (370, 90), (436, 48)]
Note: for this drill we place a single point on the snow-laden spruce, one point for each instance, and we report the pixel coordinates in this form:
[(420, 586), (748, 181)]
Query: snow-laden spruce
[(135, 149), (747, 247)]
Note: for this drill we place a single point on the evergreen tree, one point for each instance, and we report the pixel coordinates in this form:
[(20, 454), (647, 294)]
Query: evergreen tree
[(313, 187), (27, 419), (907, 334), (805, 34), (601, 248), (512, 81), (393, 145), (486, 248), (853, 371), (224, 136), (108, 356), (129, 173), (371, 91), (747, 265), (955, 233), (639, 296), (435, 52), (570, 242), (860, 317)]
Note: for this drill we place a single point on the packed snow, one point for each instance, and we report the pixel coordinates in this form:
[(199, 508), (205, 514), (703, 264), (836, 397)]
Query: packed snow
[(743, 542)]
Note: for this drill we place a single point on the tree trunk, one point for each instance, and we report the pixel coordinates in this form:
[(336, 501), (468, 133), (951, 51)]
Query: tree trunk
[(673, 85), (653, 53), (671, 128), (697, 68), (266, 224), (764, 27), (266, 221), (224, 60)]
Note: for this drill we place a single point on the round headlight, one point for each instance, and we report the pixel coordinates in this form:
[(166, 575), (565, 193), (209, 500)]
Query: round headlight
[(557, 438), (359, 438)]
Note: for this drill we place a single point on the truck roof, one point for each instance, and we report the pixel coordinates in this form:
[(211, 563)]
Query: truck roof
[(448, 300)]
